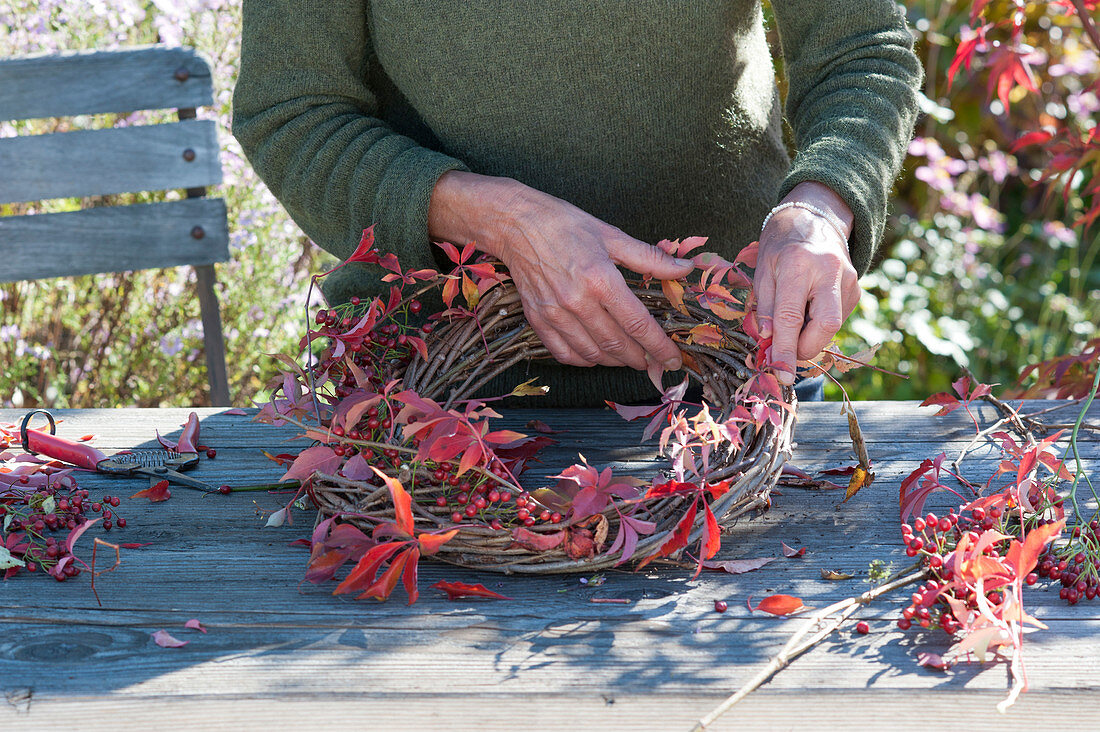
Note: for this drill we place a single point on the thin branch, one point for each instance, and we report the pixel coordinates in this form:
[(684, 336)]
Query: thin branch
[(1087, 23), (796, 646)]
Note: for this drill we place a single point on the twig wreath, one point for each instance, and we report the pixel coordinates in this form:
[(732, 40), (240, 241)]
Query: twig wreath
[(405, 463)]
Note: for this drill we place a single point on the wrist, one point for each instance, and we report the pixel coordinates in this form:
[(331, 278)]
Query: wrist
[(467, 207), (820, 196)]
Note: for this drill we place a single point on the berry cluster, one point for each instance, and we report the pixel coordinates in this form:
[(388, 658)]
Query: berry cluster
[(1075, 564), (32, 519)]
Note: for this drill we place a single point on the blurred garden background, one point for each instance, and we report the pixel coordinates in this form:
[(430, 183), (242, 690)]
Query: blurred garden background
[(985, 265)]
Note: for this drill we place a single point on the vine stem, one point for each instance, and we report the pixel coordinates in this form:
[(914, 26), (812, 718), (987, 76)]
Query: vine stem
[(1086, 22), (1080, 470), (820, 629)]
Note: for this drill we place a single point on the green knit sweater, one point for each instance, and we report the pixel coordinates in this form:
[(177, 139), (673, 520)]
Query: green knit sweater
[(661, 117)]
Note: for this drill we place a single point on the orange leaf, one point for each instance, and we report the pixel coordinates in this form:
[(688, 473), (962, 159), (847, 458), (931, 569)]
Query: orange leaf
[(409, 576), (402, 502), (469, 291), (430, 543), (456, 590), (674, 291), (156, 493), (779, 605), (381, 589)]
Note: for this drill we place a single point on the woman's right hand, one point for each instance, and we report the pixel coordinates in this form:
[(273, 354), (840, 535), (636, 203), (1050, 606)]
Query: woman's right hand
[(563, 263)]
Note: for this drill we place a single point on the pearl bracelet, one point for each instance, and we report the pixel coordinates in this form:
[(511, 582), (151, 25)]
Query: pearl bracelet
[(833, 220)]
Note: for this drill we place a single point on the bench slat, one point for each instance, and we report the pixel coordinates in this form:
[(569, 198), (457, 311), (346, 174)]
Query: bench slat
[(94, 82), (117, 160), (113, 239)]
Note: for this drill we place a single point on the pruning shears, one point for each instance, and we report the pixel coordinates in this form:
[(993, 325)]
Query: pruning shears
[(156, 464)]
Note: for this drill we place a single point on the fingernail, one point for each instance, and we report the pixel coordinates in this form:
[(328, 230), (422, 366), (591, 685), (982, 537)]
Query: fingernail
[(684, 262), (785, 377), (765, 327), (673, 364)]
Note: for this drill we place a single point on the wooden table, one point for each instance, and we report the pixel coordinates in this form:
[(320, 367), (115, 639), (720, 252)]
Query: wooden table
[(281, 655)]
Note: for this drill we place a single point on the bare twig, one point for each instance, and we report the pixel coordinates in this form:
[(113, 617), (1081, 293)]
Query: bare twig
[(820, 629)]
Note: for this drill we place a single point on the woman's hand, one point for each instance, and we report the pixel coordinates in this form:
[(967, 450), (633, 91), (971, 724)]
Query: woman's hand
[(805, 284), (563, 263)]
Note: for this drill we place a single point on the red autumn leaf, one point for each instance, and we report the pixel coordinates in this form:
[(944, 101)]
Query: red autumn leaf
[(933, 660), (86, 438), (383, 587), (779, 605), (579, 543), (455, 590), (318, 458), (323, 567), (76, 533), (194, 624), (157, 493), (190, 436), (738, 566), (363, 251), (536, 541), (133, 545), (1024, 556), (948, 403), (402, 502), (164, 640), (364, 572), (712, 537), (409, 576), (791, 552), (430, 543), (1037, 137)]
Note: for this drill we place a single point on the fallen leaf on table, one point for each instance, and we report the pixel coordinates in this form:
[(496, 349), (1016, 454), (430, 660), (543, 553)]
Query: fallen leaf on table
[(455, 590), (791, 552), (134, 545), (832, 574), (932, 660), (194, 624), (156, 493), (276, 519), (235, 412), (778, 605), (164, 640), (87, 438), (539, 426), (738, 566)]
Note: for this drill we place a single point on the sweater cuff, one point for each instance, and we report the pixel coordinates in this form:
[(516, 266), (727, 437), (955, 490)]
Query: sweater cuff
[(401, 204), (826, 166)]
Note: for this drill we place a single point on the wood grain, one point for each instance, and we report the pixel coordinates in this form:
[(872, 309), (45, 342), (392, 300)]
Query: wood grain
[(115, 160), (92, 82), (283, 653), (110, 238)]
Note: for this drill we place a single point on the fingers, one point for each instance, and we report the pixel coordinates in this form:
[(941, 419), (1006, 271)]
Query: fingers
[(568, 341), (826, 317), (788, 317), (764, 287), (640, 327), (648, 260)]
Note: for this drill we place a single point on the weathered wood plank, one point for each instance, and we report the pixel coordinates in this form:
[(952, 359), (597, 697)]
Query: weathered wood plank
[(116, 160), (112, 238), (93, 82), (428, 707)]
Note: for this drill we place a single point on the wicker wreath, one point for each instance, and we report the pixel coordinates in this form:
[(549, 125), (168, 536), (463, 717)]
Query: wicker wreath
[(465, 354)]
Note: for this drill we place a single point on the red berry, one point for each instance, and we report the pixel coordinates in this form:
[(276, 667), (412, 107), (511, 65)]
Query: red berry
[(440, 501), (355, 300), (212, 453), (471, 510), (555, 518), (122, 523), (97, 507), (918, 524), (522, 514), (494, 496), (225, 490), (529, 521), (480, 502), (545, 515), (414, 306), (944, 525), (720, 606), (862, 628), (107, 525), (904, 624), (456, 517), (506, 496), (462, 499), (496, 524)]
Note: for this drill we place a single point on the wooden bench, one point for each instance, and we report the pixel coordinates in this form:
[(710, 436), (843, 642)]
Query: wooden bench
[(97, 162)]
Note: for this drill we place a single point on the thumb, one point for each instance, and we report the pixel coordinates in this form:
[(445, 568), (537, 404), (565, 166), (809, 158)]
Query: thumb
[(647, 260)]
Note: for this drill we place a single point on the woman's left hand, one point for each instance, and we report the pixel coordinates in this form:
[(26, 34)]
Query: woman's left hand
[(805, 284)]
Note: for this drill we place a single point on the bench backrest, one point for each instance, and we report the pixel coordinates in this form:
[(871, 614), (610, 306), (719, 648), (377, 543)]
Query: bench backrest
[(176, 155)]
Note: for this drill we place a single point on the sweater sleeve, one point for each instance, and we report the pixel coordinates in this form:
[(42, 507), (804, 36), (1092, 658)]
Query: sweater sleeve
[(307, 121), (851, 102)]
